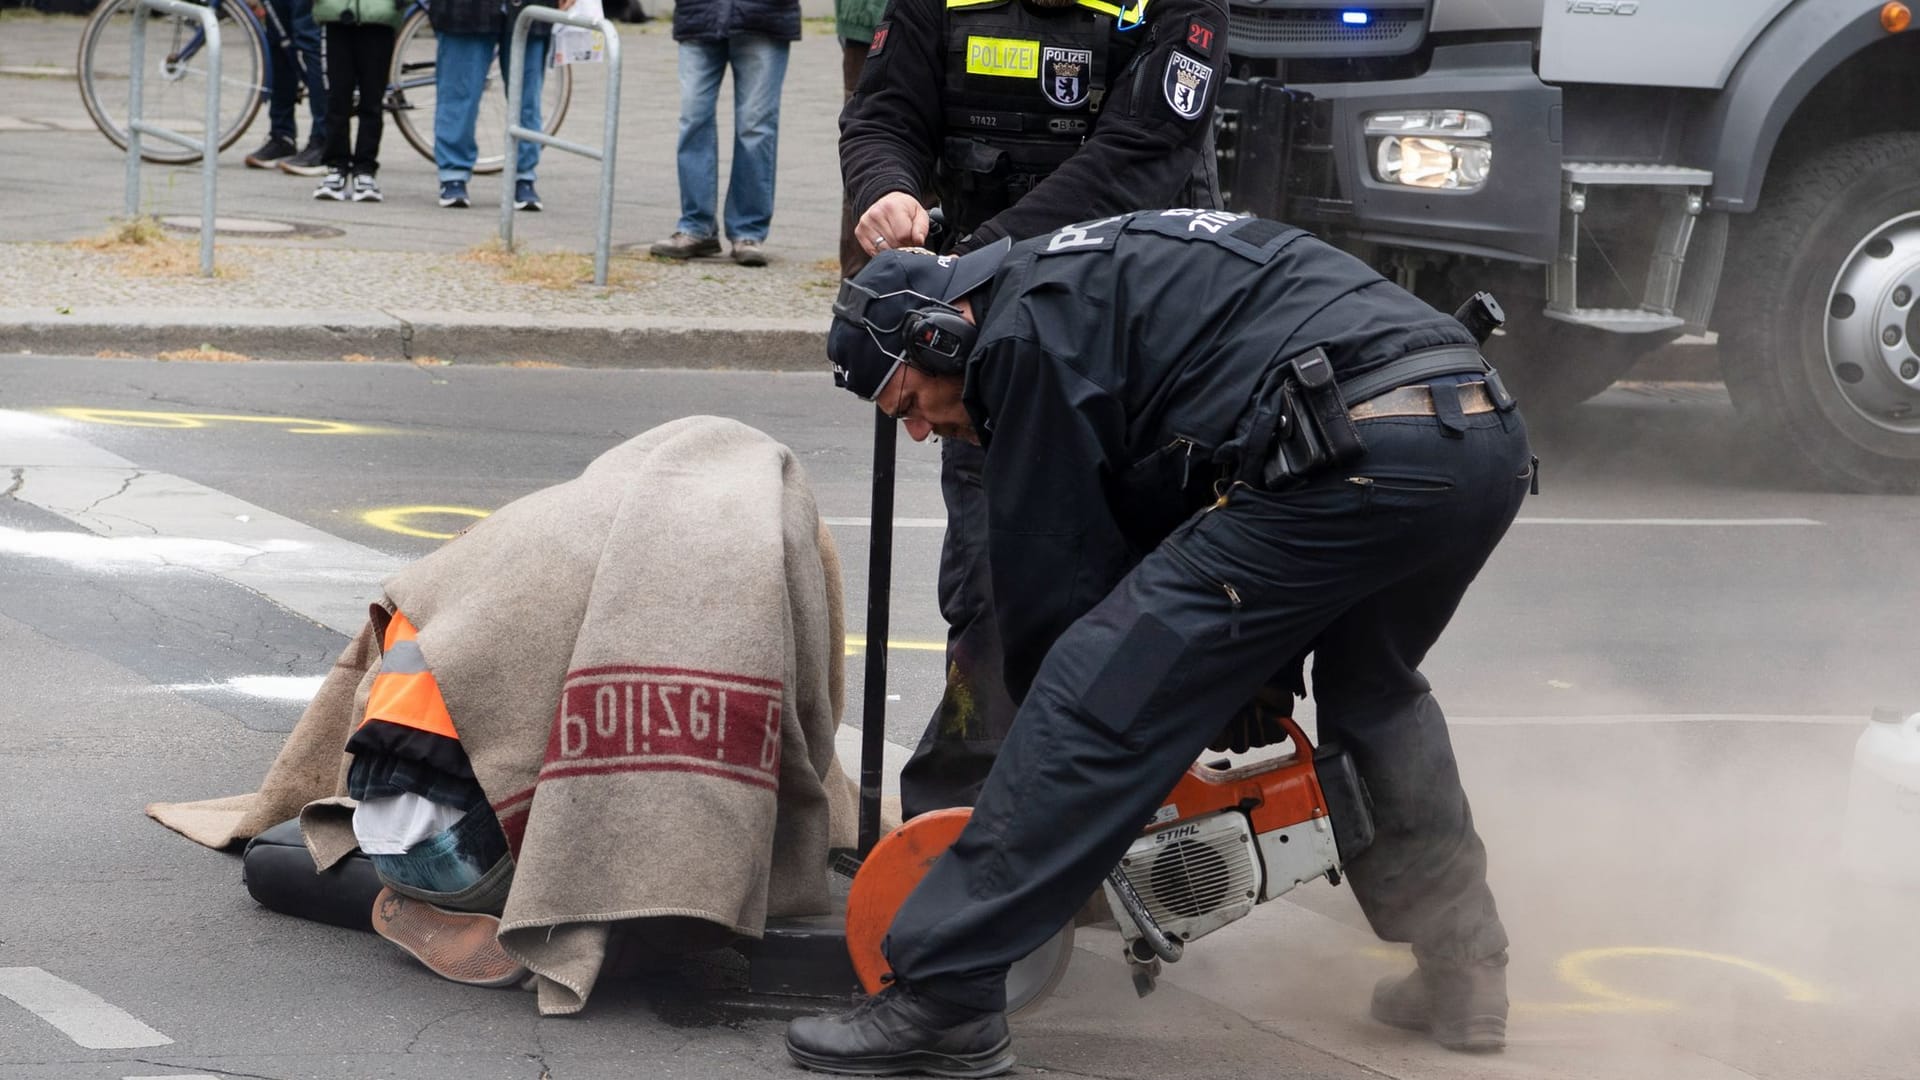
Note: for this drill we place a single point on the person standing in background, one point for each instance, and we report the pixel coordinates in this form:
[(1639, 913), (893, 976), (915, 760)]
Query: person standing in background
[(469, 34), (853, 23), (752, 37), (295, 58), (1017, 117), (359, 52)]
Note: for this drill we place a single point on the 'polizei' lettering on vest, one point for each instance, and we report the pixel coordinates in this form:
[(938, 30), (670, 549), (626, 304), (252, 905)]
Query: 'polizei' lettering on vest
[(1008, 57)]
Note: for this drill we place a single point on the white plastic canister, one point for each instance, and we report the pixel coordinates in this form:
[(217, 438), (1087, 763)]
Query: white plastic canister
[(1882, 838)]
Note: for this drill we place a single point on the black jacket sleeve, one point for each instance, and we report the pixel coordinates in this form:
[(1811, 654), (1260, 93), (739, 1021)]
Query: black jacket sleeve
[(890, 129), (1053, 542), (1141, 151)]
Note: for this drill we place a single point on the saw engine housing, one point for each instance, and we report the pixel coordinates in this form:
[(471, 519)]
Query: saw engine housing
[(1230, 837)]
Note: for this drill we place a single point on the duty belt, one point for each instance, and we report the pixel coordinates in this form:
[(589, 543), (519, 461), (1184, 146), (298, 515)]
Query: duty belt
[(1418, 400)]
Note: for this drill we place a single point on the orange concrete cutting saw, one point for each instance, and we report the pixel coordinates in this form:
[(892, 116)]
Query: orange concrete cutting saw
[(1226, 838)]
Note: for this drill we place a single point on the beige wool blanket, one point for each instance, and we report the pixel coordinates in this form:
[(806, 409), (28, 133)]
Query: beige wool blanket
[(645, 665)]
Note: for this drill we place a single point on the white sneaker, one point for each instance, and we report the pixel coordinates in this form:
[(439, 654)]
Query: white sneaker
[(333, 187), (365, 189)]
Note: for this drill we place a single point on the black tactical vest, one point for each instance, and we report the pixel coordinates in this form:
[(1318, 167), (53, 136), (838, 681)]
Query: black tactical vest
[(1023, 85)]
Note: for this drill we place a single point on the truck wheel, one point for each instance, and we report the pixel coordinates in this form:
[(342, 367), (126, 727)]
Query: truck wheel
[(1817, 340)]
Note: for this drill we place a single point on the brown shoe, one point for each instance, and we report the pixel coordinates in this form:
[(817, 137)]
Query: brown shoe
[(685, 246), (1460, 1007), (749, 253), (463, 946)]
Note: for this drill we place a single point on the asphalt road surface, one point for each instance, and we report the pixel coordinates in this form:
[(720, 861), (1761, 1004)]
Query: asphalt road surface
[(1656, 689)]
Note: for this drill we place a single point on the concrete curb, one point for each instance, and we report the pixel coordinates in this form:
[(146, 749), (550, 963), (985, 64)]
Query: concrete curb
[(403, 334)]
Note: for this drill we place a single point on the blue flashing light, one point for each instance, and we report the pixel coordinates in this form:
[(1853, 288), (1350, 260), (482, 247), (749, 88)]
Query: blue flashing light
[(1355, 18)]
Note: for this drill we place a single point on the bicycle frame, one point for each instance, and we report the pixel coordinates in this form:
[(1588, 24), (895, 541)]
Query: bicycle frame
[(244, 13)]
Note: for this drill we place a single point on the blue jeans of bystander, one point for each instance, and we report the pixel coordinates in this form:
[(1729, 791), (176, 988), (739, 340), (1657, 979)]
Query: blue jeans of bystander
[(460, 76), (290, 70), (759, 68)]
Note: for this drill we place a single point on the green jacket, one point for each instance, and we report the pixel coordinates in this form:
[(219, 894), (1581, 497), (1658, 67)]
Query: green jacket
[(381, 12), (854, 20)]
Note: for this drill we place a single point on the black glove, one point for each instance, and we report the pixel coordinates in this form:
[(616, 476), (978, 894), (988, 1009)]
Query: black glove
[(1257, 723)]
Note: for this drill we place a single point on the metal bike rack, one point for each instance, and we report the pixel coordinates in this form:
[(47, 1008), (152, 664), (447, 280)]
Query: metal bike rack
[(610, 133), (208, 144)]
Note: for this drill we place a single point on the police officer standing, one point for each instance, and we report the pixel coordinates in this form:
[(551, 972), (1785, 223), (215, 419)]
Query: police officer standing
[(1018, 117), (1213, 444)]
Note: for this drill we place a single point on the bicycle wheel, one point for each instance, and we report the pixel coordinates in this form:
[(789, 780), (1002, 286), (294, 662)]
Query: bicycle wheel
[(174, 89), (411, 97)]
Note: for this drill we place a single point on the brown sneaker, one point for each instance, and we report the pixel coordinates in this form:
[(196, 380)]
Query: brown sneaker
[(749, 253), (685, 246), (462, 946), (1461, 1008)]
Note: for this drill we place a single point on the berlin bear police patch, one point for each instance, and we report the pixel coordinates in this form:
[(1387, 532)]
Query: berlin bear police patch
[(1064, 76), (1186, 84)]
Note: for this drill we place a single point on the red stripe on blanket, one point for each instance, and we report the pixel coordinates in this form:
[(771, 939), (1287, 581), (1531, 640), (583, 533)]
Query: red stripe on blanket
[(514, 822), (621, 717), (669, 672), (558, 772)]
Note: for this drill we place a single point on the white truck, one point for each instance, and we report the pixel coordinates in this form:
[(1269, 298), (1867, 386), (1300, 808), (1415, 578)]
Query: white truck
[(1620, 173)]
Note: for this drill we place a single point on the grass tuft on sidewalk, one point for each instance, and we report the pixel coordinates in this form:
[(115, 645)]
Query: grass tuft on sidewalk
[(546, 269), (143, 246)]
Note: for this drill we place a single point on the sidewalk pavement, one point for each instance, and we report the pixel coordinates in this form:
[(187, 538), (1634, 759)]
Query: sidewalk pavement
[(406, 279)]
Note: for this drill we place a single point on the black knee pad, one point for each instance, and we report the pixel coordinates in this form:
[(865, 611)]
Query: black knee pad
[(278, 872)]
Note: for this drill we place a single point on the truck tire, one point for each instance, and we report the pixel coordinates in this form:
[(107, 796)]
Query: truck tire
[(1817, 331)]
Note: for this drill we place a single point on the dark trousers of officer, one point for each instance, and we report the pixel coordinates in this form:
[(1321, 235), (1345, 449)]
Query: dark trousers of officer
[(1366, 566), (975, 711)]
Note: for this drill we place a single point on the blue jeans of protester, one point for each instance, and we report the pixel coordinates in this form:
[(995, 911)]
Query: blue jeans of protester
[(759, 68), (465, 867), (290, 70), (460, 77)]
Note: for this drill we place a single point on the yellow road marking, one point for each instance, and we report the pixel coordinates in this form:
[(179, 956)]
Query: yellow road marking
[(394, 519), (296, 425), (857, 643), (1573, 970)]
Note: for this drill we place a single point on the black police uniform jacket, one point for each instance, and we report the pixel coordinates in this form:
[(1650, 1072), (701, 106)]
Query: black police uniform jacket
[(1123, 366), (1070, 111)]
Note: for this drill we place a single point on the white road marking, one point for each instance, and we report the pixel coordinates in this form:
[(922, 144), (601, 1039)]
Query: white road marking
[(1684, 523), (81, 1015), (898, 523), (144, 517), (274, 687), (1601, 719), (1681, 523), (846, 746)]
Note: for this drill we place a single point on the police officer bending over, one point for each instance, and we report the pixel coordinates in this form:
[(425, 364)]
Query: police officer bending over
[(1019, 117), (1213, 444)]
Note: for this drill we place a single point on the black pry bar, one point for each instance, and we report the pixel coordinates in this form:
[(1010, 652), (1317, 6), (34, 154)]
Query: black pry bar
[(873, 710)]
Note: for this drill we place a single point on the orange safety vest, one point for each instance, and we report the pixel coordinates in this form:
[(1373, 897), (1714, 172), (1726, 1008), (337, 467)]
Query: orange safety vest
[(405, 692)]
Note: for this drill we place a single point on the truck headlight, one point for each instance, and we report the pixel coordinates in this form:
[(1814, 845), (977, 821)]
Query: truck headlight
[(1431, 148)]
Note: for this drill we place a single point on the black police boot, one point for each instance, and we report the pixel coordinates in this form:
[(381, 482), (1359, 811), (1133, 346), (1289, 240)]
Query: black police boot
[(899, 1031), (1460, 1006)]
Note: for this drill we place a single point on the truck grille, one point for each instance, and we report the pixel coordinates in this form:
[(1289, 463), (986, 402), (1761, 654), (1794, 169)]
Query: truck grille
[(1304, 32)]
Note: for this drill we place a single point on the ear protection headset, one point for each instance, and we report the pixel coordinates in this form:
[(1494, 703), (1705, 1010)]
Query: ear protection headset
[(934, 337), (939, 339)]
